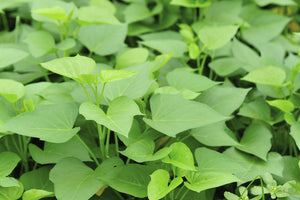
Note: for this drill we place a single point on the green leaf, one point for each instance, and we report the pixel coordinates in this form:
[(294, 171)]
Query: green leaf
[(8, 162), (191, 4), (187, 94), (79, 68), (130, 179), (215, 37), (255, 166), (131, 57), (180, 156), (11, 193), (53, 153), (159, 185), (115, 75), (295, 128), (143, 150), (119, 115), (51, 123), (172, 114), (225, 66), (216, 134), (40, 43), (269, 75), (96, 15), (194, 51), (11, 90), (212, 161), (257, 109), (256, 140), (74, 180), (104, 39), (66, 44), (200, 181), (134, 87), (180, 80), (283, 105), (8, 182), (225, 100), (9, 56), (263, 3), (35, 194), (56, 13), (38, 179)]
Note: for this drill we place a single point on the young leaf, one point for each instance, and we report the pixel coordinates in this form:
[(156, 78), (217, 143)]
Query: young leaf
[(269, 75), (74, 180), (180, 156), (96, 15), (172, 114), (257, 109), (8, 193), (159, 185), (295, 128), (40, 43), (56, 13), (35, 194), (132, 57), (52, 123), (79, 68), (119, 115), (283, 105), (11, 90), (115, 75)]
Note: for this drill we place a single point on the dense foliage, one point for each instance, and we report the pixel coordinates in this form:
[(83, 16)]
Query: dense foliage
[(149, 99)]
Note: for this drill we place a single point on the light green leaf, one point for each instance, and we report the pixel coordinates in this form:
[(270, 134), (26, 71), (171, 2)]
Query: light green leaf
[(104, 39), (159, 185), (134, 87), (180, 156), (257, 109), (79, 68), (143, 150), (225, 66), (256, 140), (200, 181), (56, 13), (8, 182), (194, 50), (35, 194), (66, 44), (256, 166), (187, 94), (74, 180), (191, 4), (96, 15), (119, 115), (186, 80), (40, 43), (131, 57), (215, 37), (269, 75), (172, 114), (8, 162), (225, 100), (53, 153), (295, 133), (12, 3), (11, 90), (263, 3), (130, 179), (51, 123), (216, 134), (212, 161), (115, 75), (10, 56), (283, 105)]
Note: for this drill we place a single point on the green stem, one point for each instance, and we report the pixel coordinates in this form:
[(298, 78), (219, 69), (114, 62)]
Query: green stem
[(184, 194), (101, 95), (102, 136), (46, 75), (107, 143), (119, 195), (248, 186), (88, 149), (5, 22), (90, 54), (262, 189), (202, 64), (86, 92), (178, 193), (117, 144)]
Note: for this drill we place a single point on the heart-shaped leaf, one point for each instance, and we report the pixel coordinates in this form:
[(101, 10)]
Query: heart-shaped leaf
[(11, 90)]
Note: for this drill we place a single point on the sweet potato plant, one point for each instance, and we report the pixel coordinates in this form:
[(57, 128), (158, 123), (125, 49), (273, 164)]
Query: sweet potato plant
[(149, 99)]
